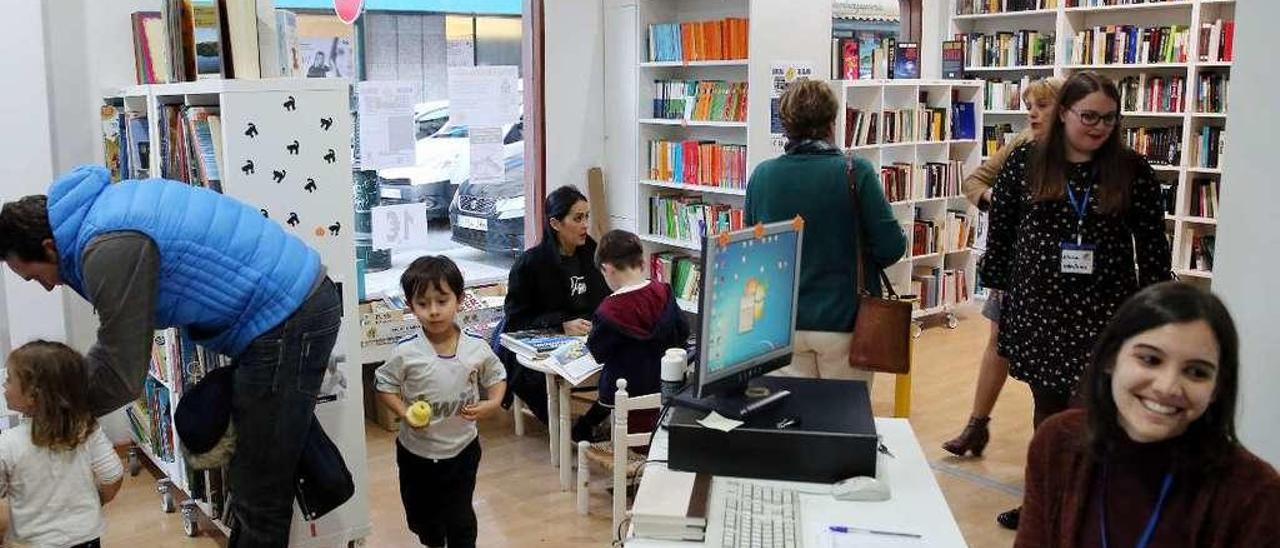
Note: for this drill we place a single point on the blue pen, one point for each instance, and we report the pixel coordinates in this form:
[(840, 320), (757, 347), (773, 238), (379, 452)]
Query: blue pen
[(845, 529)]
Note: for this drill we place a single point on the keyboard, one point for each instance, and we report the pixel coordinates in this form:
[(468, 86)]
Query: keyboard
[(758, 516)]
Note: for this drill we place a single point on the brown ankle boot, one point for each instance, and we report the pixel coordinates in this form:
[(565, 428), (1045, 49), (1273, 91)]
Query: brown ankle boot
[(973, 439)]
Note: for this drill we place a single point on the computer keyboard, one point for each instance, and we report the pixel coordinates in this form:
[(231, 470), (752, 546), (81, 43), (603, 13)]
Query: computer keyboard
[(758, 516)]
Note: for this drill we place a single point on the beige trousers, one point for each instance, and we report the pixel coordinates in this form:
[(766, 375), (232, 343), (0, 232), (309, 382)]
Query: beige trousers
[(823, 355)]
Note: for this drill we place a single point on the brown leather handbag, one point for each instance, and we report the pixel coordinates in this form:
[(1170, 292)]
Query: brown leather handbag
[(882, 329)]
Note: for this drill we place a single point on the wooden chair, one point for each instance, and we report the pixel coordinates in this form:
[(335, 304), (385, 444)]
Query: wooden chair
[(622, 442)]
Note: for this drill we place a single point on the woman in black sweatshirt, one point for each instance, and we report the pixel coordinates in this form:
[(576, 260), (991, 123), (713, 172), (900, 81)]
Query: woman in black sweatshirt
[(554, 285)]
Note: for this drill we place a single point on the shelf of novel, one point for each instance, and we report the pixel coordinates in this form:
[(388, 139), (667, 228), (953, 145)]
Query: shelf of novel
[(922, 137), (1171, 61), (282, 145)]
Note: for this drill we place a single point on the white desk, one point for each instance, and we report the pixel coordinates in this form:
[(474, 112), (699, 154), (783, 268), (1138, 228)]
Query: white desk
[(916, 506), (558, 419)]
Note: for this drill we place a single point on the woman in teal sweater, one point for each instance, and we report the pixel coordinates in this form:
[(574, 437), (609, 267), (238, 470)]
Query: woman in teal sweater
[(810, 180)]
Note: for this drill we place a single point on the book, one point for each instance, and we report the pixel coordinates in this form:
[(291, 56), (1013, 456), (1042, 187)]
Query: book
[(963, 120), (109, 117), (535, 343), (714, 40), (269, 61), (953, 59), (671, 505), (290, 53), (906, 63), (849, 59), (150, 48), (205, 47), (572, 362), (240, 50)]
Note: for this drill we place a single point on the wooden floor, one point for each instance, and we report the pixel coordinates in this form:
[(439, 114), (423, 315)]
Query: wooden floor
[(519, 502)]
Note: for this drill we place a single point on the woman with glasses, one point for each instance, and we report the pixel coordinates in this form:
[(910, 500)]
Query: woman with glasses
[(1077, 227)]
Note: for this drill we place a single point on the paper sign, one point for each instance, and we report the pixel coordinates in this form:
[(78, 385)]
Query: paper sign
[(719, 422), (386, 123), (782, 74), (484, 96), (486, 154), (399, 226)]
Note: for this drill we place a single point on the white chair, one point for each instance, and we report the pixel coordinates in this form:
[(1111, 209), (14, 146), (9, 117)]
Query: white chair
[(622, 441)]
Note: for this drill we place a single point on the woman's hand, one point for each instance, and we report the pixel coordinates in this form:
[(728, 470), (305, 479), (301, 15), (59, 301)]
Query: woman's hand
[(577, 328)]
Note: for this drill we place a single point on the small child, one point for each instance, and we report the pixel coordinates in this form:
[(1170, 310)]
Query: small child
[(444, 368), (631, 329), (58, 468)]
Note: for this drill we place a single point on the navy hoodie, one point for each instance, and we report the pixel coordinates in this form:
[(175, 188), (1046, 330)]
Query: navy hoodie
[(630, 333)]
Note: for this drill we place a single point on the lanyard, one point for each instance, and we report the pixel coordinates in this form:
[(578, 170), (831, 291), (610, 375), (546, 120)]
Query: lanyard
[(1082, 210), (1155, 513)]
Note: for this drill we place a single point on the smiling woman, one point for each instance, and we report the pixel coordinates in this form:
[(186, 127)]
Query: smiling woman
[(1153, 456)]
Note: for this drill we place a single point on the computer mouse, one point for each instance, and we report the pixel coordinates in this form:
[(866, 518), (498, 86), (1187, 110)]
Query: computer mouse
[(860, 488)]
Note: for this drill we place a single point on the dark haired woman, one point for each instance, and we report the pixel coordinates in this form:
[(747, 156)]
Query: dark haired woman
[(1152, 459), (554, 285), (1071, 215)]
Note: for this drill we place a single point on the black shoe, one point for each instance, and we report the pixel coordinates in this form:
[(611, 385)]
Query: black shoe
[(1009, 520)]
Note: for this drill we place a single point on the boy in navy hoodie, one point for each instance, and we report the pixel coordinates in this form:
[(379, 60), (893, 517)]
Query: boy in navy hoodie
[(631, 329)]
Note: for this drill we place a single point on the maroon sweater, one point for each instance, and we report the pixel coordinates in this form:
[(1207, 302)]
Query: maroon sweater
[(1239, 506)]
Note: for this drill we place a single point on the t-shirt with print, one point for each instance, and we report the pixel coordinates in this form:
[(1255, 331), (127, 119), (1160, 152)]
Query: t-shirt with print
[(447, 383), (576, 281)]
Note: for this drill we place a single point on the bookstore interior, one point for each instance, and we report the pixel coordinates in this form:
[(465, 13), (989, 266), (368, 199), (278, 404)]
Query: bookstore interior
[(663, 330)]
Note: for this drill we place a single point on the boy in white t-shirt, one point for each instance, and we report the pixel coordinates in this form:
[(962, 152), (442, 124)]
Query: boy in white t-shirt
[(443, 367), (57, 469)]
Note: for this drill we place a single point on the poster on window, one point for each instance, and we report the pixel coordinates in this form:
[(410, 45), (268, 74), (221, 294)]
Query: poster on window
[(782, 73), (328, 57)]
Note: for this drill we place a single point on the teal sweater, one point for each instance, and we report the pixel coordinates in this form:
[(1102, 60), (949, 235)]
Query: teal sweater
[(814, 186)]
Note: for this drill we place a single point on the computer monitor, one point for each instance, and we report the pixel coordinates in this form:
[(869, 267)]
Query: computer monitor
[(750, 282)]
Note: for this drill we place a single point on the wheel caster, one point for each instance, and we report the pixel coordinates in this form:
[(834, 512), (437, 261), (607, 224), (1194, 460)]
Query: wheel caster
[(135, 463), (166, 497), (952, 321), (190, 521)]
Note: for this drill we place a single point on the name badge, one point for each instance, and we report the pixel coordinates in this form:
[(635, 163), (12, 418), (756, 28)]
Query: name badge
[(1077, 258)]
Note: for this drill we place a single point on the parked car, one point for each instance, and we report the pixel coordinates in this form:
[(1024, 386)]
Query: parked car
[(443, 160), (490, 216)]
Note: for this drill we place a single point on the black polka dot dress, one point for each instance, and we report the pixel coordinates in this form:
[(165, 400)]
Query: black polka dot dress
[(1051, 320)]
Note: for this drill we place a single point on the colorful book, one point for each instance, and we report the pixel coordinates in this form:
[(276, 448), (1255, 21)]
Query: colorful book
[(953, 59)]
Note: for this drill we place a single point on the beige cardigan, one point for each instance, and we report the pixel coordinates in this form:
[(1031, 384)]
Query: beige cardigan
[(985, 176)]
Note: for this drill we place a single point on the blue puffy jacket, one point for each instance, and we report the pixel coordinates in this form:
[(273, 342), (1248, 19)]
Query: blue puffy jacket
[(225, 270)]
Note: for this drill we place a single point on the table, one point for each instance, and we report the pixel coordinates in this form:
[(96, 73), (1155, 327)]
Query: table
[(558, 419), (916, 506)]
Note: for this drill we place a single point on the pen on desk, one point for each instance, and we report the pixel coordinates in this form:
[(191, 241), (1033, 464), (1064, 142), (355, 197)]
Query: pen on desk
[(846, 529)]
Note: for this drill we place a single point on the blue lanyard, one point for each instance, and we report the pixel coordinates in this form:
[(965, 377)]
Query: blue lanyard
[(1155, 514), (1082, 210)]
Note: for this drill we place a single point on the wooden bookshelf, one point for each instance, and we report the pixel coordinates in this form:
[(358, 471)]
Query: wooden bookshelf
[(1064, 21)]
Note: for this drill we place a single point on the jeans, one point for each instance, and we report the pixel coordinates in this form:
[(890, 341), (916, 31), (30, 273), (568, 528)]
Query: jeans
[(277, 379)]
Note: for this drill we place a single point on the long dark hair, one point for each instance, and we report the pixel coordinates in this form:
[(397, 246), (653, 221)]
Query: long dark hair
[(557, 207), (1114, 164), (57, 378), (1206, 440)]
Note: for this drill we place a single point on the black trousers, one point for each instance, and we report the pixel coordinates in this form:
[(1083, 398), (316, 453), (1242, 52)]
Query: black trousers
[(1047, 404), (529, 385), (95, 543), (437, 496)]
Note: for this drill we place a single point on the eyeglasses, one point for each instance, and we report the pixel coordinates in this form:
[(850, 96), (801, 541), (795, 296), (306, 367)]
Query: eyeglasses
[(1091, 118)]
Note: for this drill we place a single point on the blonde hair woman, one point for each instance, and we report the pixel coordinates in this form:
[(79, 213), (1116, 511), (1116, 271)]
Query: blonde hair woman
[(1040, 98), (811, 179)]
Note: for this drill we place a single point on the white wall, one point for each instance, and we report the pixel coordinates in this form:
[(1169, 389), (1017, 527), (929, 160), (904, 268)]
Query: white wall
[(574, 90), (1244, 274), (26, 160)]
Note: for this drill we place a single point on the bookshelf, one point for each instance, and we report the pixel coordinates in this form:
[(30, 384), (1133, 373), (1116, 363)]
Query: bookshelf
[(1064, 22), (958, 258), (301, 135)]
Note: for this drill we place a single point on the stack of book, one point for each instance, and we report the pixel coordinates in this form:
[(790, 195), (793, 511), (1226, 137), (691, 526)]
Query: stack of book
[(671, 505), (1211, 93), (957, 231), (698, 163), (1202, 245), (679, 271), (1152, 93), (701, 100), (924, 236), (994, 138), (1005, 49), (974, 7), (860, 127), (189, 40), (1130, 44), (699, 40), (1216, 40), (1169, 196), (1208, 146), (1204, 198), (1159, 145), (1005, 95), (935, 286), (689, 219), (188, 150), (900, 125), (535, 343), (897, 181), (941, 179)]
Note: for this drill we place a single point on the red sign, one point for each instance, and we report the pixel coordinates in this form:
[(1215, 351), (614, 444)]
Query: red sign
[(348, 10)]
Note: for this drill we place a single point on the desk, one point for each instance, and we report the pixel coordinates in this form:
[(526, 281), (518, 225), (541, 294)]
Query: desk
[(917, 504), (558, 419)]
